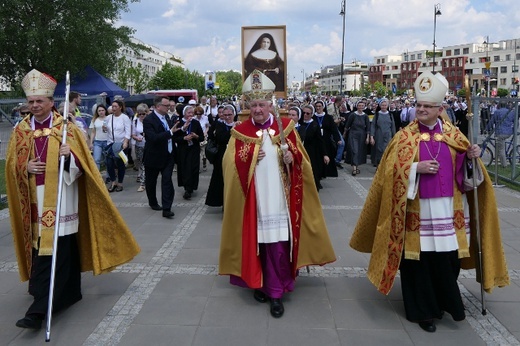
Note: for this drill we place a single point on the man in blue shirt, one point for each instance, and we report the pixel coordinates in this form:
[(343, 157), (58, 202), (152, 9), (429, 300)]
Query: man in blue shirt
[(502, 121)]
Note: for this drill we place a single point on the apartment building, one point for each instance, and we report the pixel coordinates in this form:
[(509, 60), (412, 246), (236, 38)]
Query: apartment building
[(489, 66), (151, 61)]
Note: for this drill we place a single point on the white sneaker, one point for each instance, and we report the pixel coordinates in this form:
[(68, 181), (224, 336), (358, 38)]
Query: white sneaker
[(140, 189)]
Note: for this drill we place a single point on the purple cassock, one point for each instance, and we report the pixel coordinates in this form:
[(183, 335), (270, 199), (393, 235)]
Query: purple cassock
[(440, 184), (276, 269)]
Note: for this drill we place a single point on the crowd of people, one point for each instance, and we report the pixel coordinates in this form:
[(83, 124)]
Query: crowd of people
[(267, 174)]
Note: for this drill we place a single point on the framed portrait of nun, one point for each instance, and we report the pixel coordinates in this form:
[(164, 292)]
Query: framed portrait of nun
[(264, 49)]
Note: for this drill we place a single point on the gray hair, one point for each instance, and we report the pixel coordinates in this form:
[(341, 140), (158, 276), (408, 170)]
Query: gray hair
[(142, 107)]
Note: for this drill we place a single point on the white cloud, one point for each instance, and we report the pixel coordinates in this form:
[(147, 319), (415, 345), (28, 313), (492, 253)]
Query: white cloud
[(207, 34)]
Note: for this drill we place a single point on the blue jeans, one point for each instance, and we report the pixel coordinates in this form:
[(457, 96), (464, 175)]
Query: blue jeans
[(98, 152), (114, 162), (341, 148)]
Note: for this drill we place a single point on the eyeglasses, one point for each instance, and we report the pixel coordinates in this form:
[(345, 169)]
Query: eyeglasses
[(419, 105), (199, 113), (307, 113), (162, 104), (25, 113), (141, 114)]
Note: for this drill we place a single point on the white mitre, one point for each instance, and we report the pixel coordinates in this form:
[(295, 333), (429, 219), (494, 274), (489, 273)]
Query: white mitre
[(258, 86), (430, 87), (36, 83)]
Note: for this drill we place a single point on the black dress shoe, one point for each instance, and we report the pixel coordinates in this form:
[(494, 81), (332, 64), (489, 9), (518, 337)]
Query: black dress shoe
[(156, 207), (168, 214), (30, 322), (339, 165), (428, 326), (260, 296), (186, 195), (277, 309)]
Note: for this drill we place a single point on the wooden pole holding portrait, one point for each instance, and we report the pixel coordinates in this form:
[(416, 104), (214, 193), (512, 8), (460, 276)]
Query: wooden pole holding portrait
[(264, 48)]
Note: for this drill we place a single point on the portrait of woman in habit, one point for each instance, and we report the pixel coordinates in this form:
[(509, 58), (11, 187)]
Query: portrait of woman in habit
[(264, 56)]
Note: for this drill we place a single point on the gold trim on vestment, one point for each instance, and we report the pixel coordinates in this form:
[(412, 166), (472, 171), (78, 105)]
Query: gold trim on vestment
[(42, 132)]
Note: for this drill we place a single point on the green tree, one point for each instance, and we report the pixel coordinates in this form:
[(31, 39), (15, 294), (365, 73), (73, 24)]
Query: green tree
[(380, 89), (169, 77), (177, 77), (229, 82), (126, 75), (366, 89), (501, 92), (58, 36), (461, 92), (122, 73), (140, 78)]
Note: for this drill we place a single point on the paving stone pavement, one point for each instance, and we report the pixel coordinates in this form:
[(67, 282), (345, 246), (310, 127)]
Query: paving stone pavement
[(170, 294)]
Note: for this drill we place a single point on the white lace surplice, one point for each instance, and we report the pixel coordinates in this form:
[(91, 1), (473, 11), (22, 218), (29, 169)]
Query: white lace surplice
[(273, 215)]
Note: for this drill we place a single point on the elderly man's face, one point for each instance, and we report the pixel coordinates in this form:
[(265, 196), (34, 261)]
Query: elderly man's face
[(40, 106), (428, 112), (260, 110)]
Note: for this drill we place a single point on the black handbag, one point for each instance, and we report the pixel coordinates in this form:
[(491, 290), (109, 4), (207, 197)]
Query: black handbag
[(211, 150)]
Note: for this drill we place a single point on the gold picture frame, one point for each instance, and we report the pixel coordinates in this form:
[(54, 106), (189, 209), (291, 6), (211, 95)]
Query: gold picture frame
[(269, 57)]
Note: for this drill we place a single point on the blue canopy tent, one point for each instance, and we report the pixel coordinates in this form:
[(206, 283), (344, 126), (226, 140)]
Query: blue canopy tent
[(91, 83)]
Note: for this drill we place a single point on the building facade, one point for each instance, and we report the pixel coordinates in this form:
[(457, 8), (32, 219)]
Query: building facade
[(355, 75), (489, 67), (151, 61)]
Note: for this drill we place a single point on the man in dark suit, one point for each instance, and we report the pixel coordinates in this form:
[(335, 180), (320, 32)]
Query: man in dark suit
[(159, 156)]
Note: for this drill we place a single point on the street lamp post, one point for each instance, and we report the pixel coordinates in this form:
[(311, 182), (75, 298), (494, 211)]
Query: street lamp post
[(487, 63), (355, 74), (515, 70), (436, 12), (303, 80), (342, 13)]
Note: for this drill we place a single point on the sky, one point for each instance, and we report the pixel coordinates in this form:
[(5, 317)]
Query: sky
[(206, 34)]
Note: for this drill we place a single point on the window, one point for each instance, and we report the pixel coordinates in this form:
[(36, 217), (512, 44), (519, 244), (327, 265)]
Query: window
[(508, 57), (465, 50), (456, 51), (412, 57), (503, 81), (503, 69), (448, 53), (419, 56), (496, 58), (383, 60)]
